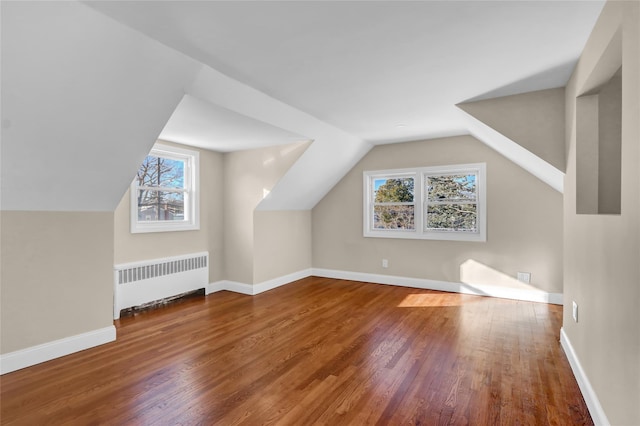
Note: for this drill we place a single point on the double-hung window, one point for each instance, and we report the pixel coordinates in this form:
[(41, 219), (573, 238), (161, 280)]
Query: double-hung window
[(164, 193), (440, 203)]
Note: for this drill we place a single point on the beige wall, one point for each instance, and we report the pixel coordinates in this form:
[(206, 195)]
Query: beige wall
[(232, 185), (524, 221), (602, 252), (609, 155), (248, 177), (282, 243), (535, 120), (57, 267), (56, 276), (130, 247)]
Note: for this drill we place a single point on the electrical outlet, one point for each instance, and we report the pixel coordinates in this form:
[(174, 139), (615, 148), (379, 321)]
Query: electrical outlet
[(575, 311), (385, 263), (524, 277)]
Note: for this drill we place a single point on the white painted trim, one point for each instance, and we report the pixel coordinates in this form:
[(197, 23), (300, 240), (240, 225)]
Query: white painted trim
[(191, 191), (593, 404), (556, 298), (420, 202), (280, 281), (215, 287), (453, 287), (23, 358), (235, 286), (252, 290)]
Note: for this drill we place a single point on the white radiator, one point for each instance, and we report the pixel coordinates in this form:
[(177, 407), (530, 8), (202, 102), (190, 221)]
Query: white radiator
[(143, 282)]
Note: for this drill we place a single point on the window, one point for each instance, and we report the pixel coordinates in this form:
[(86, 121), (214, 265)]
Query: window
[(164, 193), (439, 203), (394, 202)]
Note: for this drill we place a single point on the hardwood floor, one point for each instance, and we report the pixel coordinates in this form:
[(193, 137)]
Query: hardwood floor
[(317, 351)]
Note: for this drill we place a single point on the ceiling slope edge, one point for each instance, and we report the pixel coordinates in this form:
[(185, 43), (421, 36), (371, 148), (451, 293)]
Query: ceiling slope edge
[(535, 120), (79, 113), (524, 158), (331, 155)]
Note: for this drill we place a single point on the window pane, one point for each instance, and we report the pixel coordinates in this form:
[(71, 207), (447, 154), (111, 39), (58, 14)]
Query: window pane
[(451, 187), (157, 205), (393, 217), (452, 217), (160, 171), (396, 190)]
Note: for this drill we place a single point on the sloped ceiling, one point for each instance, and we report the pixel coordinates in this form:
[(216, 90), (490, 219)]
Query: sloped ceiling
[(100, 80), (83, 100), (197, 123), (367, 67), (514, 116)]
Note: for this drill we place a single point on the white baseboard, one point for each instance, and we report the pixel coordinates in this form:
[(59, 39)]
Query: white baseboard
[(501, 292), (453, 287), (252, 290), (23, 358), (589, 394), (280, 281), (13, 361), (234, 286)]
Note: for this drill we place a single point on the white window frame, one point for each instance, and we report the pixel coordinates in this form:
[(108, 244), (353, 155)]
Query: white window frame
[(191, 192), (420, 201)]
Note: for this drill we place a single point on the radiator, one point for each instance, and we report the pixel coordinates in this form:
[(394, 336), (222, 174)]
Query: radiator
[(143, 282)]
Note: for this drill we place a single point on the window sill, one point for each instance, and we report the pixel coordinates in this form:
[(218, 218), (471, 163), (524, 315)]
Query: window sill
[(437, 236), (156, 227)]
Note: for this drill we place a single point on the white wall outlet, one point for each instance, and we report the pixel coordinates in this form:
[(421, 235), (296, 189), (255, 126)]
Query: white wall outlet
[(524, 277), (575, 311), (385, 263)]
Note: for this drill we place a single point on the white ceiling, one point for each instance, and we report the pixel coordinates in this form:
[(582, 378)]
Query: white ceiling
[(87, 80), (382, 71), (202, 124)]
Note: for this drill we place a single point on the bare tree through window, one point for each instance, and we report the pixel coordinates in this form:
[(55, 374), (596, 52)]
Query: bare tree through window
[(161, 191)]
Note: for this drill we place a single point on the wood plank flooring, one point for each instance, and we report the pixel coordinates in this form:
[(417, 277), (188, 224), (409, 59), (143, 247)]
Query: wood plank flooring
[(317, 351)]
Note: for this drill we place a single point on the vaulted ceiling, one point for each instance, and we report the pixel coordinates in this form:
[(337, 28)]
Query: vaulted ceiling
[(380, 71), (105, 79)]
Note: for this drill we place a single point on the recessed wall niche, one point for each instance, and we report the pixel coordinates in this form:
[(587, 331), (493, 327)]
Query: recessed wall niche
[(599, 136)]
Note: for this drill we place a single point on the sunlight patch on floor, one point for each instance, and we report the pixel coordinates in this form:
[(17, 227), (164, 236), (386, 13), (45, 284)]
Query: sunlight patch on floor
[(425, 300)]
